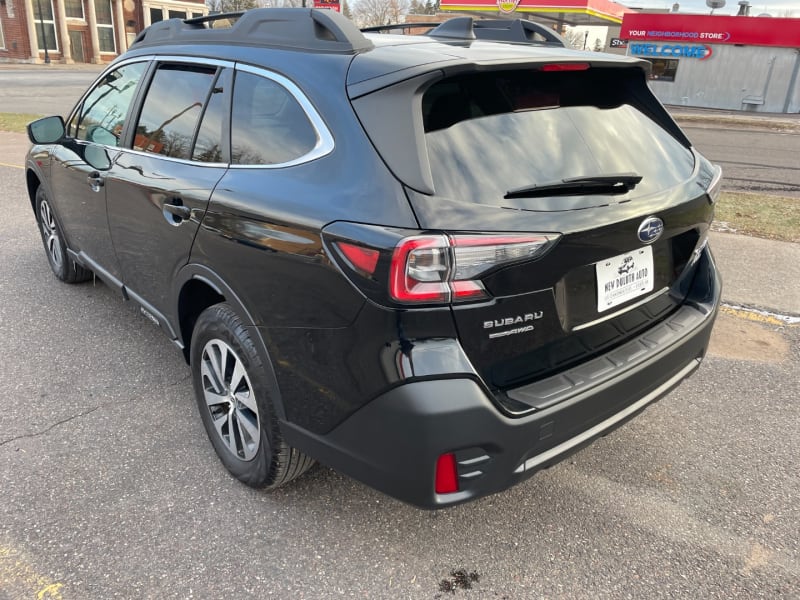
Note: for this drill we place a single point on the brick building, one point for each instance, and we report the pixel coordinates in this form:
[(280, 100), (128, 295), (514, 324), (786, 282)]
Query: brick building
[(90, 31)]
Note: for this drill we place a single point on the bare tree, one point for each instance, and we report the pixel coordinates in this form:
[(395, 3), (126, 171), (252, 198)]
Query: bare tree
[(224, 6), (368, 13), (575, 38)]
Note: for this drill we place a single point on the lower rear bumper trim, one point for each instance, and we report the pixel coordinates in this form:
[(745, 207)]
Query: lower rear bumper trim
[(544, 457)]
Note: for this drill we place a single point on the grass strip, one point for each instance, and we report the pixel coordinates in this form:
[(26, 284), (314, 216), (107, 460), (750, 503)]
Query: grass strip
[(16, 122), (760, 215)]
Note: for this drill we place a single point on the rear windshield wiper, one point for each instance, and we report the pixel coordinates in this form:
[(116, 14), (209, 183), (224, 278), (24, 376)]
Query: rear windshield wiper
[(618, 183)]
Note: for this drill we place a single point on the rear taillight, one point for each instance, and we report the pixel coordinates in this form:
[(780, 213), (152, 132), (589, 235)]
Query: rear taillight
[(447, 268), (360, 258)]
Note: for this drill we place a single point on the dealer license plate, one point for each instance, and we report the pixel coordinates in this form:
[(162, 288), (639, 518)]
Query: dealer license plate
[(624, 277)]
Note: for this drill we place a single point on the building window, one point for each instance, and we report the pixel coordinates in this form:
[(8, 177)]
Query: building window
[(156, 15), (170, 11), (74, 9), (45, 26), (105, 26), (663, 69), (2, 39)]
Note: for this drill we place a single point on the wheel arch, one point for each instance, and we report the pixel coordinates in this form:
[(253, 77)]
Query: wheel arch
[(200, 287), (33, 181)]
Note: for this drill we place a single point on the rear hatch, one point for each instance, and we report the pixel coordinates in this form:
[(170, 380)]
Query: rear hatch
[(578, 153)]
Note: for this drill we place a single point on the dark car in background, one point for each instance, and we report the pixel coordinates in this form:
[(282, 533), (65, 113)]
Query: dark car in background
[(437, 263)]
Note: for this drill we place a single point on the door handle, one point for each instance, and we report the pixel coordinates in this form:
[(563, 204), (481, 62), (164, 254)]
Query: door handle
[(178, 211), (96, 181)]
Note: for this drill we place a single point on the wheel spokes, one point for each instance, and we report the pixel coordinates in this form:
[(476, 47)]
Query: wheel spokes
[(230, 400), (50, 234)]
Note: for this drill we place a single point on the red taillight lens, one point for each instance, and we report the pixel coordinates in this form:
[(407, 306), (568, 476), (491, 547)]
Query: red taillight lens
[(419, 270), (446, 474), (361, 258), (442, 268), (565, 67)]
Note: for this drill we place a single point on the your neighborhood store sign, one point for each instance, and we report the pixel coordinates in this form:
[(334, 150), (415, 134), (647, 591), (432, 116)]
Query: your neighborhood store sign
[(701, 52), (710, 29)]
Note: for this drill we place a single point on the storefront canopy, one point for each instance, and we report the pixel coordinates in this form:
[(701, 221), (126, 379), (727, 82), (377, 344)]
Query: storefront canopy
[(566, 12)]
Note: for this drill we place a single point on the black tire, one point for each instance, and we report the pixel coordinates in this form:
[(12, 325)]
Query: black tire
[(64, 268), (220, 346)]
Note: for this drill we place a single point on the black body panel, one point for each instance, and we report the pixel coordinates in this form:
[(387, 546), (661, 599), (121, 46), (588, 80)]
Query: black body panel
[(392, 444)]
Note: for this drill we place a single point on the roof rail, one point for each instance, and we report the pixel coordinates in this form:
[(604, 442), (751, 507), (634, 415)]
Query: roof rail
[(287, 28), (517, 31), (403, 26)]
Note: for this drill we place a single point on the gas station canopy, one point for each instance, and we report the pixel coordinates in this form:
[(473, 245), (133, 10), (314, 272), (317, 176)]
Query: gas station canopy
[(563, 12)]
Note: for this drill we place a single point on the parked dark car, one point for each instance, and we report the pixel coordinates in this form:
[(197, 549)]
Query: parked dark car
[(435, 263)]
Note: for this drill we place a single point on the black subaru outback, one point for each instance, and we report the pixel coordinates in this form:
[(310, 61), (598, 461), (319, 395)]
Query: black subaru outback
[(437, 263)]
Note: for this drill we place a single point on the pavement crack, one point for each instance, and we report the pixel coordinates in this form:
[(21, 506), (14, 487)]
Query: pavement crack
[(51, 427), (181, 381)]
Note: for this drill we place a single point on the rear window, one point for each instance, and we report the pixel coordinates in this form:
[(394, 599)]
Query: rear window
[(488, 133)]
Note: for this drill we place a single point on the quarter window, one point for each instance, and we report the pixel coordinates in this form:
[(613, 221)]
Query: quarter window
[(172, 110), (102, 115), (268, 125)]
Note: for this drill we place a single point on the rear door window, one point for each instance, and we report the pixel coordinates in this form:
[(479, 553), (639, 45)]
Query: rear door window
[(488, 133)]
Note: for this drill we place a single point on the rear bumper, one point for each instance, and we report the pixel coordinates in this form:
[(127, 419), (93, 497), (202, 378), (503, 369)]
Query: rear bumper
[(392, 443)]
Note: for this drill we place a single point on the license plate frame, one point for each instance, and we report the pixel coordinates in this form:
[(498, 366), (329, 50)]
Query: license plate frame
[(623, 277)]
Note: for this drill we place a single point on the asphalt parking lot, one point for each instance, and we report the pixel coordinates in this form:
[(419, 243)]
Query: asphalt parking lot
[(109, 488)]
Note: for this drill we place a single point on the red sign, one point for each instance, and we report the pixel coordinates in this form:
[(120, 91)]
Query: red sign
[(711, 29), (329, 4)]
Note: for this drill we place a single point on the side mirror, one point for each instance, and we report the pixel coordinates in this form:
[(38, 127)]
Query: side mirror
[(97, 157), (46, 131)]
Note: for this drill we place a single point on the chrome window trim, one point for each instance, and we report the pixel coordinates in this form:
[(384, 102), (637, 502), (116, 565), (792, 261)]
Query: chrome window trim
[(325, 143), (201, 62), (112, 67), (323, 147)]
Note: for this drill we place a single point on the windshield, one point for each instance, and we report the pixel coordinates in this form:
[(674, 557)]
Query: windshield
[(488, 133)]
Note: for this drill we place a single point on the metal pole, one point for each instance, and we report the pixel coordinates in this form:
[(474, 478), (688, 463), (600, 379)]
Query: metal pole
[(585, 37), (41, 27)]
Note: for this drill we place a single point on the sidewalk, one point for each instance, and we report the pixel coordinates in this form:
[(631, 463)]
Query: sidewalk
[(53, 66), (757, 272), (688, 115)]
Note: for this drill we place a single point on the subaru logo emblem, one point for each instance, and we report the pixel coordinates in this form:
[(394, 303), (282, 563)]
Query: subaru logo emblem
[(650, 230)]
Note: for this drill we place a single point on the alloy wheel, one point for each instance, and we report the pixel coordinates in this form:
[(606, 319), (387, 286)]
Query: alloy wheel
[(230, 399), (50, 235)]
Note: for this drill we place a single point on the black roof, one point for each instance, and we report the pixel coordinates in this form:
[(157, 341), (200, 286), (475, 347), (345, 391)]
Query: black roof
[(288, 28)]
